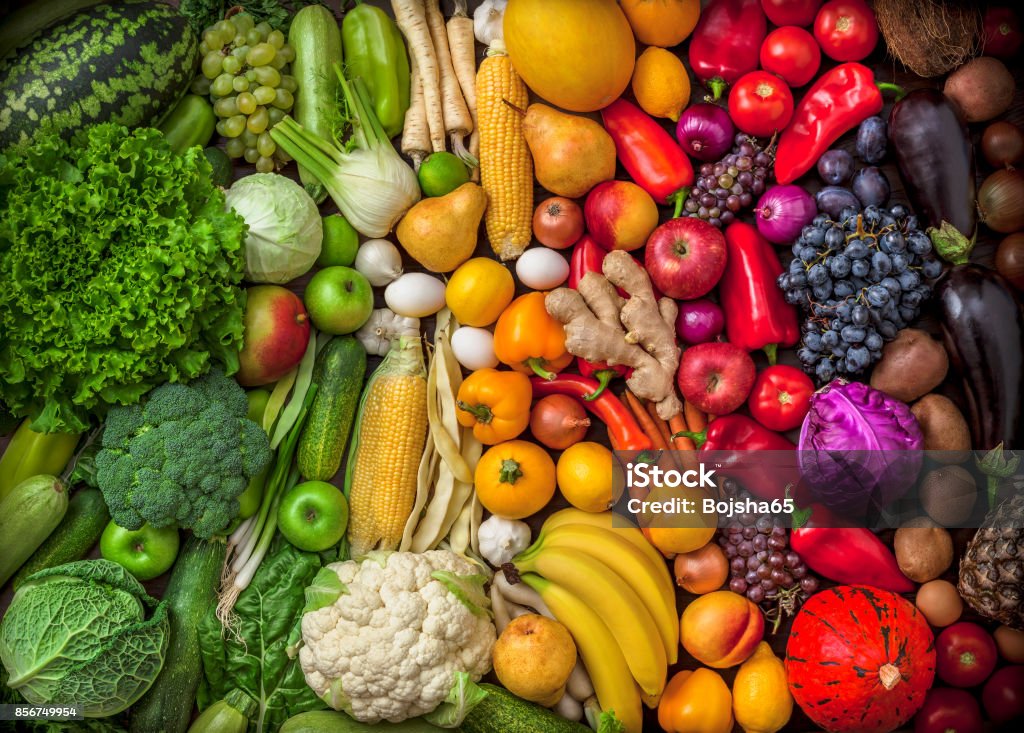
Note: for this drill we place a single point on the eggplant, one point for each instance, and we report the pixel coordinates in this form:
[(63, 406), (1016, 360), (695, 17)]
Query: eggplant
[(936, 162), (983, 332)]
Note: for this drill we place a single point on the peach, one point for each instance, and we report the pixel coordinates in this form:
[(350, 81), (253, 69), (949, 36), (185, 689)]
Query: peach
[(620, 215), (721, 629)]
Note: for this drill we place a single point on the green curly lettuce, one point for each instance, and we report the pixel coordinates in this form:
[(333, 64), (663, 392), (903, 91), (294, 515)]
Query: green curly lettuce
[(121, 270)]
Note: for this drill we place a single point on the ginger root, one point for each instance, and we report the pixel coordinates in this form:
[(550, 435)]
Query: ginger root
[(638, 332)]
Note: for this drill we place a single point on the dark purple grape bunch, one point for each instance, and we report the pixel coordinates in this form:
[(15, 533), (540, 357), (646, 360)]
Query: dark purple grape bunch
[(723, 189)]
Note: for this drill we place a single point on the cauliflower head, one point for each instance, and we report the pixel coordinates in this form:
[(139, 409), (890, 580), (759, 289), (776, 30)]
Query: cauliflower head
[(403, 628)]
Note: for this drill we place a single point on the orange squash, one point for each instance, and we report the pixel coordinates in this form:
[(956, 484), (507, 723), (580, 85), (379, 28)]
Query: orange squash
[(575, 54), (663, 23)]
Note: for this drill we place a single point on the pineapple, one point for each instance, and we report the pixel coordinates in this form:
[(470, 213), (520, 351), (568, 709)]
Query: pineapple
[(992, 569)]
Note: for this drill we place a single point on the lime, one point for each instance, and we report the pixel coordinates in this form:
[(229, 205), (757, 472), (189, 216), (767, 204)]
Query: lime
[(442, 173), (340, 242)]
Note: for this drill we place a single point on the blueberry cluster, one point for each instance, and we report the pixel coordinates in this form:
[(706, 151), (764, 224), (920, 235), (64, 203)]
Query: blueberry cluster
[(725, 188), (860, 279)]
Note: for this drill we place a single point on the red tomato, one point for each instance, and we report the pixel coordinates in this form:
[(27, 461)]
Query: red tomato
[(791, 12), (1003, 695), (781, 397), (965, 655), (1003, 37), (948, 710), (760, 103), (558, 222), (792, 53), (846, 30)]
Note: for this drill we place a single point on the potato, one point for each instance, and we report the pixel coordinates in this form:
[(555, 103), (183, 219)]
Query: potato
[(924, 550), (982, 88), (912, 365), (948, 494), (946, 435)]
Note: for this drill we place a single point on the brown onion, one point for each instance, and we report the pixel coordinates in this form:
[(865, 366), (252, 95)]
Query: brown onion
[(1010, 259), (703, 570), (558, 421), (1001, 201), (1002, 144)]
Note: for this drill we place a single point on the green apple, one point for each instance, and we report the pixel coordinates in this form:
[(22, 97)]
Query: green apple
[(339, 300), (145, 553), (313, 516)]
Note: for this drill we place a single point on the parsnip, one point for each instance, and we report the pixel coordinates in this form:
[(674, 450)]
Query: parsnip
[(462, 45), (458, 121), (411, 16), (415, 134)]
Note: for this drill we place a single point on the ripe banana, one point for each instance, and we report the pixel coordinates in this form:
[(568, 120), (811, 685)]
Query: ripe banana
[(650, 581), (605, 663), (614, 601), (572, 515)]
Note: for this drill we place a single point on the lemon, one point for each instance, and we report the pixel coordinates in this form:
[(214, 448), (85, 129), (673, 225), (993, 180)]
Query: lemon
[(341, 241), (442, 173), (478, 291), (760, 695), (660, 83), (584, 475)]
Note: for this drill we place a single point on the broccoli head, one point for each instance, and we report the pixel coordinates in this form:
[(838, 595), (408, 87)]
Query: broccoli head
[(182, 456)]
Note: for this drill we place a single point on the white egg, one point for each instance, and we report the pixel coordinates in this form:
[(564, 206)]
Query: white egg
[(541, 268), (415, 295), (474, 348)]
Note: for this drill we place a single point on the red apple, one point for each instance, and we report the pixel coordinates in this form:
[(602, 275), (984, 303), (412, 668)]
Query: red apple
[(620, 215), (685, 257), (276, 335), (716, 377)]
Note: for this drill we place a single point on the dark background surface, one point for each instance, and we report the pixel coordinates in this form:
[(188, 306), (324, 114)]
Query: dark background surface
[(886, 69)]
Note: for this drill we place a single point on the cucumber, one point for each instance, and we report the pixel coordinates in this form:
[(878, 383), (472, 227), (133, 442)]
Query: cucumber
[(190, 594), (191, 122), (503, 712), (28, 515), (339, 372), (77, 533), (329, 721), (316, 39)]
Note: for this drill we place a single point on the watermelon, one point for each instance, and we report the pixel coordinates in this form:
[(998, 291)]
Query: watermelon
[(127, 63)]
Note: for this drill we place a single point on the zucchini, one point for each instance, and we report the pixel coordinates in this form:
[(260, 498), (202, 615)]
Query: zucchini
[(77, 533), (28, 515), (503, 712), (329, 721), (316, 39), (21, 26), (339, 372), (190, 123), (190, 594), (230, 715)]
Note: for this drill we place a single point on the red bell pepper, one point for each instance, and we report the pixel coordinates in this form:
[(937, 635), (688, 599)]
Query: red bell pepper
[(603, 372), (757, 315), (736, 437), (726, 43), (839, 101), (851, 555), (624, 433), (648, 153), (588, 256)]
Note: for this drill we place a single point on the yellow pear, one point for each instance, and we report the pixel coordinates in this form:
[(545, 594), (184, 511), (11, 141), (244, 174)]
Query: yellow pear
[(440, 232), (571, 154), (534, 657)]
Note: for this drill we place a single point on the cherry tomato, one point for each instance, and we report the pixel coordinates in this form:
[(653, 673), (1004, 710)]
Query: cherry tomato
[(781, 397), (846, 29), (1003, 695), (791, 53), (948, 710), (760, 103), (1003, 37), (558, 222), (791, 12), (965, 655)]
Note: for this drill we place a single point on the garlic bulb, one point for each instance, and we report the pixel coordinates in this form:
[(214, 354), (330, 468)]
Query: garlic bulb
[(383, 327), (487, 21), (379, 260)]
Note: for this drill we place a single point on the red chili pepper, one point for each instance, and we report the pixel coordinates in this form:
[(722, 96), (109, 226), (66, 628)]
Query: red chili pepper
[(648, 153), (603, 372), (851, 555), (588, 256), (757, 315), (623, 431), (726, 42), (736, 437), (839, 101)]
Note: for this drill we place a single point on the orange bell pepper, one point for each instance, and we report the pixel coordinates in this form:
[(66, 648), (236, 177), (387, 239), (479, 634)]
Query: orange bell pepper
[(696, 701), (495, 404), (529, 340)]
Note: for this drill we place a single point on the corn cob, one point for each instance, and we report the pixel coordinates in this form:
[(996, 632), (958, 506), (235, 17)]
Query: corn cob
[(391, 427), (506, 168)]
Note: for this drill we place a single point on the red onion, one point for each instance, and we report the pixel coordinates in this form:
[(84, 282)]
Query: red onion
[(705, 131), (783, 211), (699, 321)]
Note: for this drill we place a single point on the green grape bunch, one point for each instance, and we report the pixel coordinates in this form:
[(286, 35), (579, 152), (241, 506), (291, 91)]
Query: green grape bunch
[(244, 70)]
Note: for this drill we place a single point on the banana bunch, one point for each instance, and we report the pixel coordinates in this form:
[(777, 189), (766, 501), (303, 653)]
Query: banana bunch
[(613, 591)]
